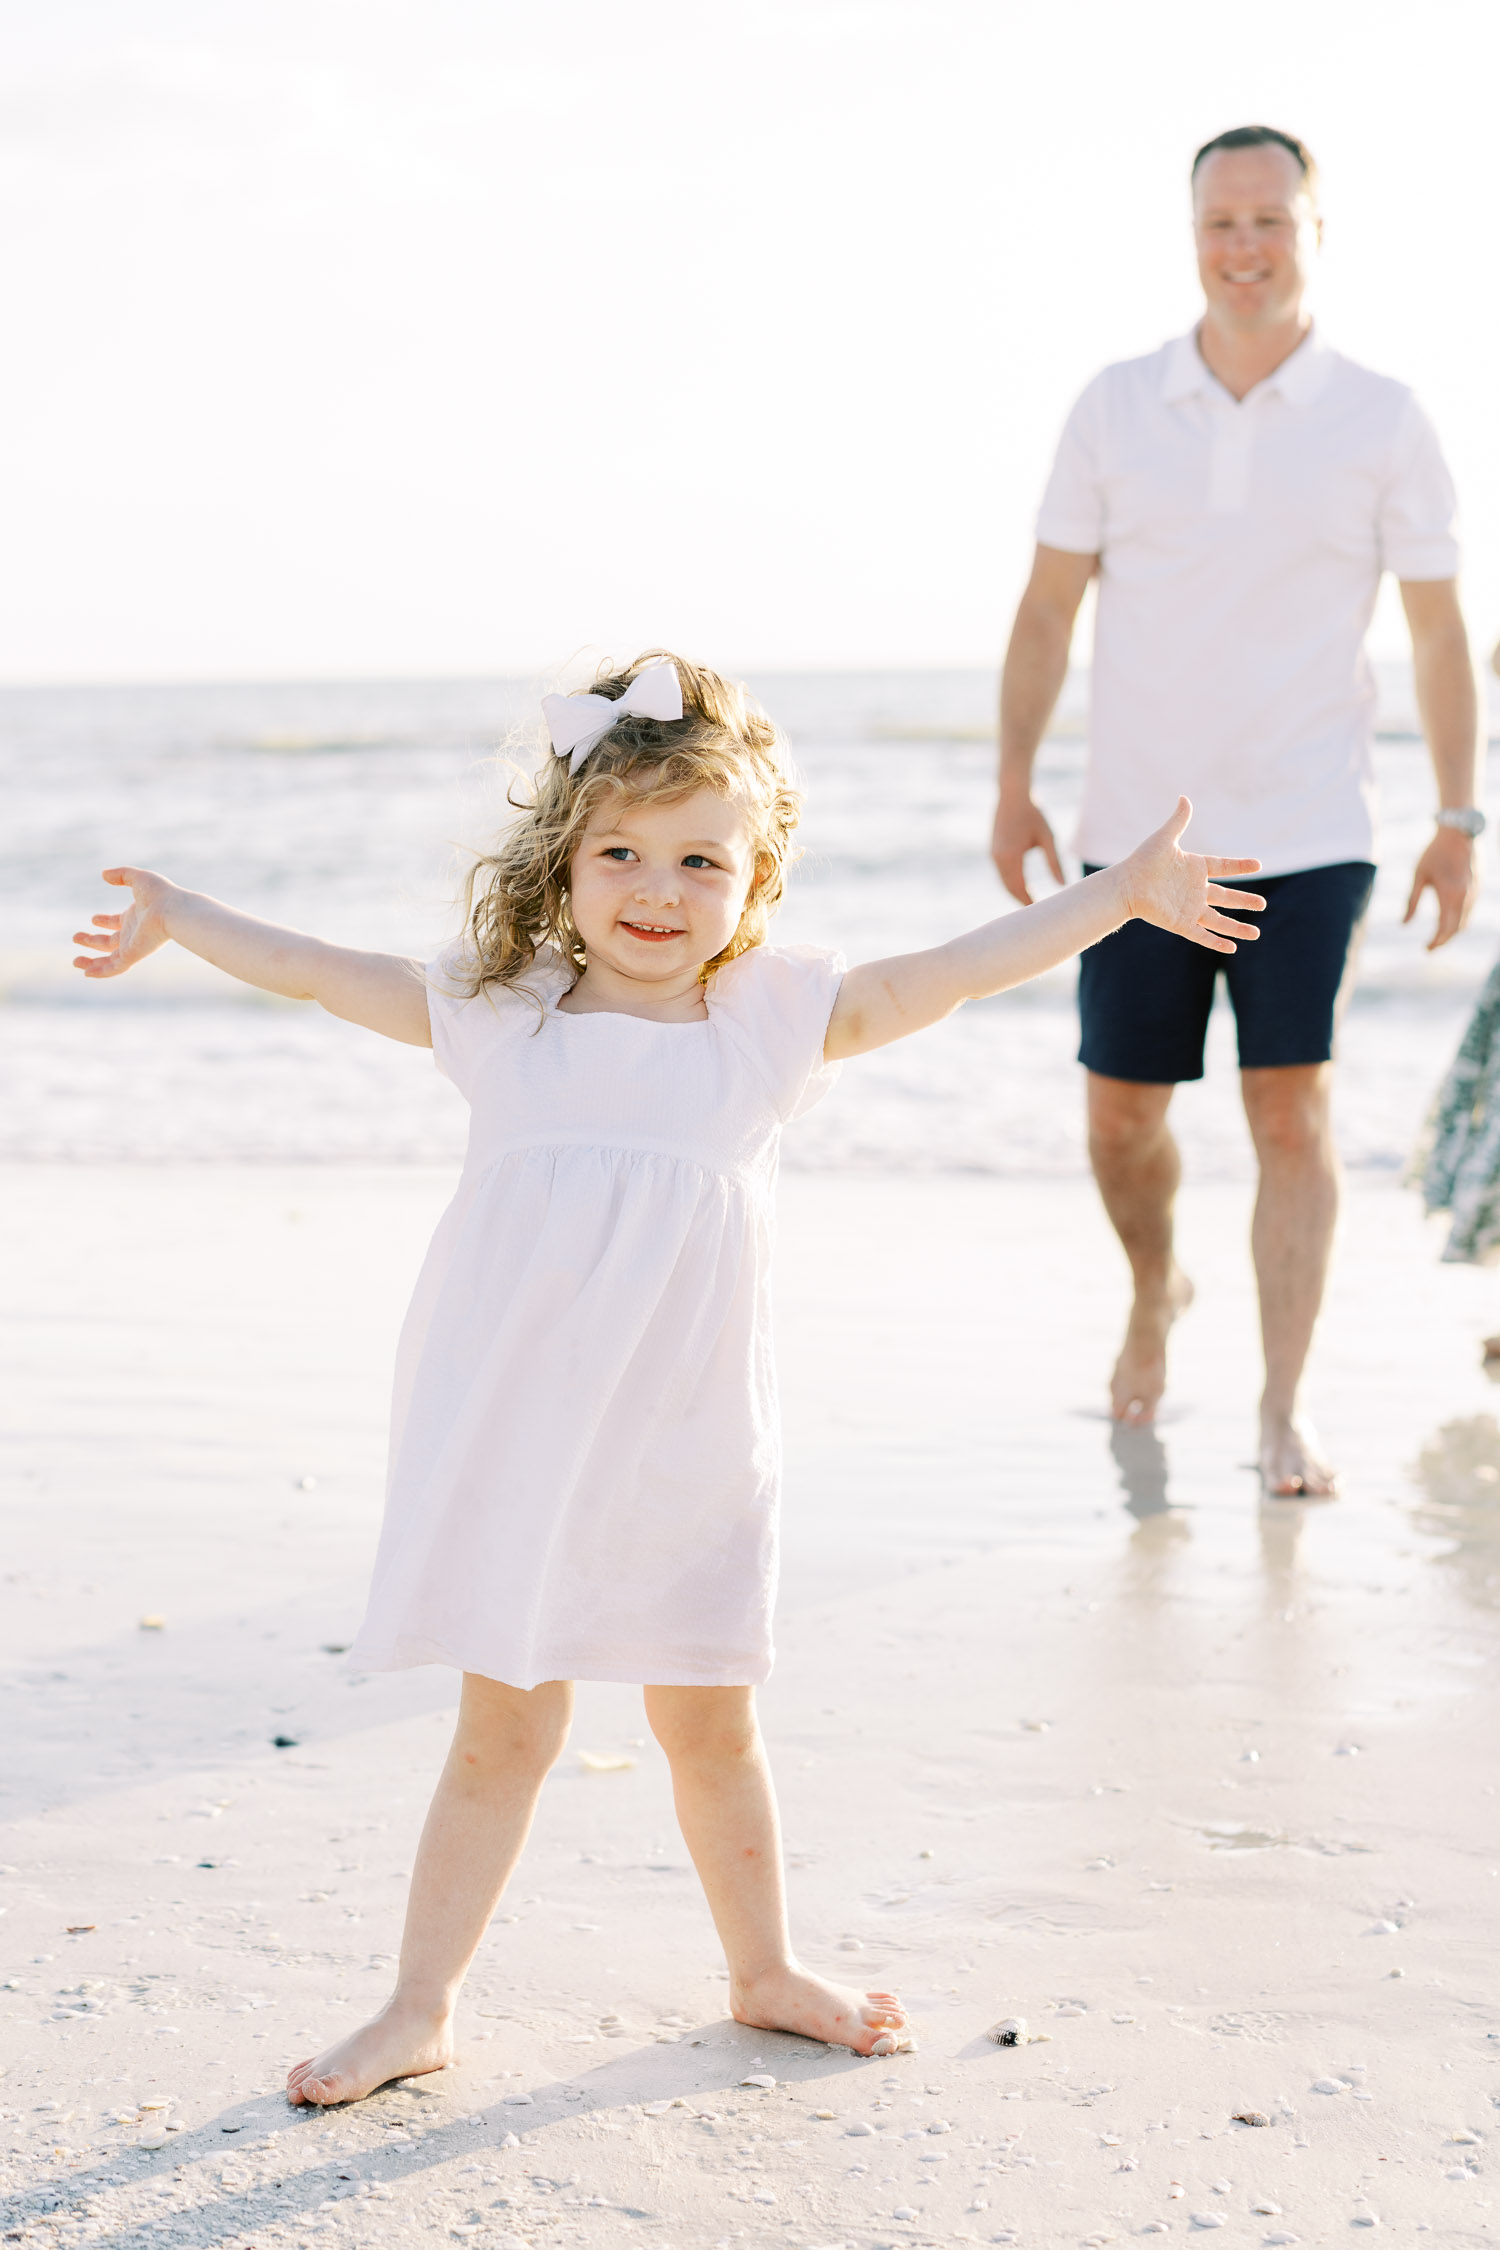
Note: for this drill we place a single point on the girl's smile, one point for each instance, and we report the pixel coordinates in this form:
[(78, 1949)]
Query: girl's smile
[(652, 932)]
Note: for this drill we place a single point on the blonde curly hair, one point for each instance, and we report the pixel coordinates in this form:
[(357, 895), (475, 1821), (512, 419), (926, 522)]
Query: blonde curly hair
[(516, 897)]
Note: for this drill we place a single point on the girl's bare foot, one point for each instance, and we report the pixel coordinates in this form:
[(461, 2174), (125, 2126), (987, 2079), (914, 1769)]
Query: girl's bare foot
[(1291, 1467), (789, 1999), (1140, 1375), (1490, 1348), (398, 2043)]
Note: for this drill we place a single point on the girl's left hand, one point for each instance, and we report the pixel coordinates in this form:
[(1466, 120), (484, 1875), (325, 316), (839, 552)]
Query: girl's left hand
[(1181, 892)]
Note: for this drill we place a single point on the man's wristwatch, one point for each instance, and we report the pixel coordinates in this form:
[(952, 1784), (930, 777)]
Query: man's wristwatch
[(1467, 819)]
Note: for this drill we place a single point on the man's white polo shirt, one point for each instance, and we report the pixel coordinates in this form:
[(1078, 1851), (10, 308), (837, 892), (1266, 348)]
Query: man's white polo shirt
[(1241, 547)]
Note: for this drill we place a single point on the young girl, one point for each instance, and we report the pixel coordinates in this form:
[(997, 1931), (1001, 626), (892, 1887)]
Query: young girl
[(584, 1456)]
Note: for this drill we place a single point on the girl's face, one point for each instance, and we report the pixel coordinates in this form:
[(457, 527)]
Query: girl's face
[(658, 887)]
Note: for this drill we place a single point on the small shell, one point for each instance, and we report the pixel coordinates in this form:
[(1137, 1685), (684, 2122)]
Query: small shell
[(1330, 2086), (1011, 2031), (1251, 2117), (759, 2078)]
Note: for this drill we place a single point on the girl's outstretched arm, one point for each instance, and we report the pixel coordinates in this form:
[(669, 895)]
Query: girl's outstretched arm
[(884, 1000), (380, 990)]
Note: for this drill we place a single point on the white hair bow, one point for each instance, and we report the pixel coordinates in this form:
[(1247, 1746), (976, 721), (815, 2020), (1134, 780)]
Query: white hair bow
[(577, 722)]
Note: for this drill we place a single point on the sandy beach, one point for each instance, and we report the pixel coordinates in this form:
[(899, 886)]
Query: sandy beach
[(1086, 1735)]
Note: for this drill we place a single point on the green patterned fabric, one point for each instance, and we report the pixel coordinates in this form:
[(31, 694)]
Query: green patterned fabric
[(1457, 1163)]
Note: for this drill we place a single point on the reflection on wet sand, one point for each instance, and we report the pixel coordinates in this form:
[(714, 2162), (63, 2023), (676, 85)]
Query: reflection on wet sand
[(1141, 1458), (1280, 1524), (1458, 1470)]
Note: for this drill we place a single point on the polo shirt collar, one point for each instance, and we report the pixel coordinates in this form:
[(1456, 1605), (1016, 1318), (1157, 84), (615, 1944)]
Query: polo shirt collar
[(1299, 378), (1185, 374)]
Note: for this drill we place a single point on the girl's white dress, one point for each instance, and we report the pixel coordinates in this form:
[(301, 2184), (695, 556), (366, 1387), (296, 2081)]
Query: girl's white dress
[(585, 1445)]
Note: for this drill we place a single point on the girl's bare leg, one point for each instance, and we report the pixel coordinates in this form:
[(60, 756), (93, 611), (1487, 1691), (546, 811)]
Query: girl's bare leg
[(727, 1810), (504, 1745)]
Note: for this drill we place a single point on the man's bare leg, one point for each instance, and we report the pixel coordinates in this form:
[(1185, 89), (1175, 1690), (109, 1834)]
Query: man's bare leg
[(1137, 1167), (1292, 1238)]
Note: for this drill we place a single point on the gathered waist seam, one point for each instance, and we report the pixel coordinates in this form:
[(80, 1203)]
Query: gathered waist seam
[(753, 1175)]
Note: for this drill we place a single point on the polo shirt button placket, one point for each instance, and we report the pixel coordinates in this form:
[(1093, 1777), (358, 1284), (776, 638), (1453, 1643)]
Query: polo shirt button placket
[(1229, 459)]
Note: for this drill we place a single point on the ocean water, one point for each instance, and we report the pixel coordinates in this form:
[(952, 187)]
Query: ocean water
[(346, 809)]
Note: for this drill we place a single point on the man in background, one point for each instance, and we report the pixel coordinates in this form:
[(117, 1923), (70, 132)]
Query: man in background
[(1239, 494)]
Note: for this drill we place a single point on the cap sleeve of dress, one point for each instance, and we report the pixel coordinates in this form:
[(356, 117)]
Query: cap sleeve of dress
[(777, 1000), (465, 1029)]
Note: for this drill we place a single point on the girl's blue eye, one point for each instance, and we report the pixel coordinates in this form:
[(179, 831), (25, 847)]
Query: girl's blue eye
[(696, 859), (618, 851)]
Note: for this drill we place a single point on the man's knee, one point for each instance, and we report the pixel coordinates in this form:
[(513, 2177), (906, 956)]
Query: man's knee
[(1288, 1113), (1124, 1118)]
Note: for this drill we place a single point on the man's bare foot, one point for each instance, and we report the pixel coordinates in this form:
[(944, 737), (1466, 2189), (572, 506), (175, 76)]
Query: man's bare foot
[(789, 1999), (1291, 1467), (394, 2044), (1140, 1374)]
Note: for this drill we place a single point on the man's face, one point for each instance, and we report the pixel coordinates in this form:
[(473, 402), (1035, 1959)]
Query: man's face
[(1256, 234)]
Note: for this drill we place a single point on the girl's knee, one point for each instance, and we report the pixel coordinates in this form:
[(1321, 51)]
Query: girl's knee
[(511, 1727), (713, 1725)]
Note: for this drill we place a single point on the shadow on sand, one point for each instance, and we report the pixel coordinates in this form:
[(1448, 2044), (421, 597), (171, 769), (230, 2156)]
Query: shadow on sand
[(705, 2066)]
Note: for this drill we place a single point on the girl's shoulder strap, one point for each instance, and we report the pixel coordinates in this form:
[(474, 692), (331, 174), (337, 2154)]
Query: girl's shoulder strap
[(466, 1024), (775, 1001)]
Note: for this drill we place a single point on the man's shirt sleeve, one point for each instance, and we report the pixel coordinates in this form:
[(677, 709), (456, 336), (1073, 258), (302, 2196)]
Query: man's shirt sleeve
[(1418, 505), (1071, 515)]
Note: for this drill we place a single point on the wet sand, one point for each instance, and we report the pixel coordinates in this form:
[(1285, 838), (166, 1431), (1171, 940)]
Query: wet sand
[(1066, 1729)]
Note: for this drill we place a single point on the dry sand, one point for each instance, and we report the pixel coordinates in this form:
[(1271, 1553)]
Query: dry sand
[(1199, 1787)]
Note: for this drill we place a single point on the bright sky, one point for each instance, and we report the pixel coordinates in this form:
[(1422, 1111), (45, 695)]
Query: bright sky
[(415, 336)]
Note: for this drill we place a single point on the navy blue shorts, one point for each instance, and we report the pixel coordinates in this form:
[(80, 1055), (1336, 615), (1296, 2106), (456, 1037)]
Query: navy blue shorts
[(1145, 995)]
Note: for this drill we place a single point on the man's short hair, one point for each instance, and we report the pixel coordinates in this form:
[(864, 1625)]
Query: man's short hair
[(1263, 136)]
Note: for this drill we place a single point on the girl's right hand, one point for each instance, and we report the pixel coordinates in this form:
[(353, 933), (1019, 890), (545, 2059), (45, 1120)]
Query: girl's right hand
[(120, 940), (1183, 892)]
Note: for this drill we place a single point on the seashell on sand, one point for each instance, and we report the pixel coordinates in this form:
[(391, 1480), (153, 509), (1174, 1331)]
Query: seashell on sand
[(1011, 2031)]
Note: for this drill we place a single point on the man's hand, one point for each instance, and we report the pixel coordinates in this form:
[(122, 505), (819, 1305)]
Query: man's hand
[(1021, 828), (1447, 868)]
